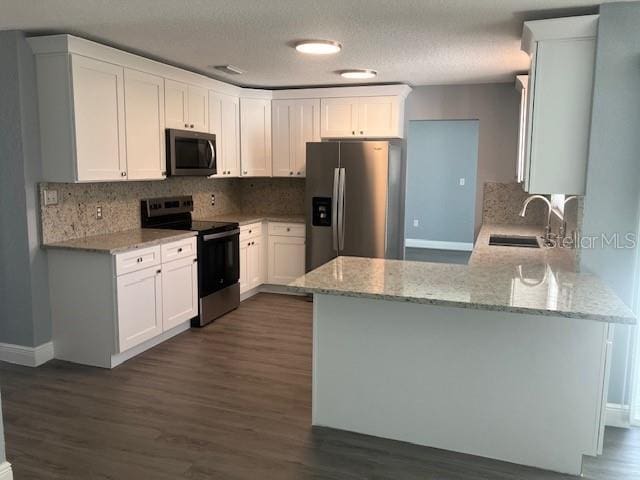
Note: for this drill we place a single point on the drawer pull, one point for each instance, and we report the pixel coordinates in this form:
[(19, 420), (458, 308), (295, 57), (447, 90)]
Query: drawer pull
[(253, 243), (158, 271), (288, 229), (180, 250), (139, 260), (195, 260)]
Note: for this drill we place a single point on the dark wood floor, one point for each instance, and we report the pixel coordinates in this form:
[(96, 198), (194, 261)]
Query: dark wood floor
[(230, 401)]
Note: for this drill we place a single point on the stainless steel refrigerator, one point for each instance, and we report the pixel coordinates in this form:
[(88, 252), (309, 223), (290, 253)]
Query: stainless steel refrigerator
[(354, 200)]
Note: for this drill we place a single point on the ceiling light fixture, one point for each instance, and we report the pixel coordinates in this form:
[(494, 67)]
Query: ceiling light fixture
[(358, 73), (230, 69), (318, 47)]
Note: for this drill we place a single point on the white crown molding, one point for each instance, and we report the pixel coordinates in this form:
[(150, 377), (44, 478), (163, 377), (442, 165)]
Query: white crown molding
[(400, 90), (26, 356), (438, 245), (5, 471), (585, 26)]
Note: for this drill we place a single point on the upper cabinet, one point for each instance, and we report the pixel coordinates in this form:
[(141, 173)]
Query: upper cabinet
[(144, 120), (363, 117), (522, 82), (224, 122), (560, 88), (294, 123), (255, 141), (186, 106)]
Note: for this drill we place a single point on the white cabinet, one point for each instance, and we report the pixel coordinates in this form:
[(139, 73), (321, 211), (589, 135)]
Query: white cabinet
[(224, 122), (144, 119), (179, 292), (294, 123), (286, 259), (560, 90), (522, 82), (251, 257), (362, 117), (255, 140), (139, 299), (186, 106)]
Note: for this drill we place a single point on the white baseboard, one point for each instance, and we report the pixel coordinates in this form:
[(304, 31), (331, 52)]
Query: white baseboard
[(617, 416), (268, 288), (438, 245), (120, 358), (26, 356), (5, 471)]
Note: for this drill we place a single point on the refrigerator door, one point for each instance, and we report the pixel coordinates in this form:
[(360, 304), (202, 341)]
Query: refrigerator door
[(363, 196), (321, 188)]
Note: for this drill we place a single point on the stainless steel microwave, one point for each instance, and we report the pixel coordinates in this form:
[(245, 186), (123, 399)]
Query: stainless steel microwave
[(190, 153)]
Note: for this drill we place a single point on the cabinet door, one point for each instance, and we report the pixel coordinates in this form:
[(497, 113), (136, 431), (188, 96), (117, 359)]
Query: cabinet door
[(198, 108), (305, 128), (255, 141), (283, 138), (98, 102), (179, 292), (176, 104), (255, 267), (144, 117), (378, 117), (139, 296), (286, 259), (244, 259), (339, 117), (224, 122)]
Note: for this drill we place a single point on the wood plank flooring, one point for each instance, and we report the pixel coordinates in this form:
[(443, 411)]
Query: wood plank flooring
[(230, 401)]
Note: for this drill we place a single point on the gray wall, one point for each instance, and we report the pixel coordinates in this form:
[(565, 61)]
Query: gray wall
[(496, 106), (439, 153), (24, 297), (613, 176)]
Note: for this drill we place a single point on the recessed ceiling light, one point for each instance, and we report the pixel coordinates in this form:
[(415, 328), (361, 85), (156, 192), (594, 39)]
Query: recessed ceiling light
[(318, 47), (230, 69), (359, 73)]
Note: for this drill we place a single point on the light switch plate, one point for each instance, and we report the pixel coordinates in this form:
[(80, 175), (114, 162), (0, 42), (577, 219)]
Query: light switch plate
[(416, 222), (50, 197), (99, 213), (462, 182)]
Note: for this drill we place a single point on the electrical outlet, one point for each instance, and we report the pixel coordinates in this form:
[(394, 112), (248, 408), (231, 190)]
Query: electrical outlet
[(99, 213), (50, 197), (213, 200), (416, 222), (461, 182)]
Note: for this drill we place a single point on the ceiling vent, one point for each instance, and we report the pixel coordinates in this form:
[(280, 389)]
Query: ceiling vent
[(229, 69)]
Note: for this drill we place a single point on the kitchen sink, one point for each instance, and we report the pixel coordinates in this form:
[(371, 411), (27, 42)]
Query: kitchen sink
[(514, 241)]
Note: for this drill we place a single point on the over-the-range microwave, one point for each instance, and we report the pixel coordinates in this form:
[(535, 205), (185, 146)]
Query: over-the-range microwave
[(190, 153)]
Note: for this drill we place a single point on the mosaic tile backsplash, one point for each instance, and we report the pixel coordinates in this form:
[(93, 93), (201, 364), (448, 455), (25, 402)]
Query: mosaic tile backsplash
[(75, 214)]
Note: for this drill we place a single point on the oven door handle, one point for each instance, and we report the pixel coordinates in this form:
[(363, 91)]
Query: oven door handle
[(214, 236)]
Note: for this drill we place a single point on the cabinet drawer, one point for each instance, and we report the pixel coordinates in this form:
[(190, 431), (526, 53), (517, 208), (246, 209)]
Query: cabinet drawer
[(180, 249), (137, 260), (286, 229), (250, 231)]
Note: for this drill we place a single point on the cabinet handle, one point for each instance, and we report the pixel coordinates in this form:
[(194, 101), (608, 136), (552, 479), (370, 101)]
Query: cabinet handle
[(180, 250), (139, 260), (249, 231), (195, 260), (123, 174), (353, 132), (361, 132), (288, 229), (158, 271), (290, 173), (186, 125), (248, 244), (191, 125), (299, 173)]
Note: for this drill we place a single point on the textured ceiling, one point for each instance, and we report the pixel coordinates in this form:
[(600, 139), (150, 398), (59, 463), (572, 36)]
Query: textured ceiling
[(415, 41)]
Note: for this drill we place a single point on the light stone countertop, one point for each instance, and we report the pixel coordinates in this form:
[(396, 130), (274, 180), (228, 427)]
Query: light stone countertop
[(509, 279), (247, 218), (113, 243)]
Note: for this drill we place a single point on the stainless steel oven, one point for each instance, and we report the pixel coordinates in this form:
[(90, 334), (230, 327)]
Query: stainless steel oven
[(191, 153)]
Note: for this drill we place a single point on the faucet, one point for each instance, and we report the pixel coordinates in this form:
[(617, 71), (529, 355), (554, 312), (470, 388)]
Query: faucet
[(547, 230), (563, 227)]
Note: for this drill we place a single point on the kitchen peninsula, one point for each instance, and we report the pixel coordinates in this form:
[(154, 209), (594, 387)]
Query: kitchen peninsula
[(505, 358)]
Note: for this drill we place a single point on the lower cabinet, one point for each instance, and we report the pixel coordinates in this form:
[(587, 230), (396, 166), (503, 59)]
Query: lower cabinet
[(107, 308), (286, 259), (251, 257)]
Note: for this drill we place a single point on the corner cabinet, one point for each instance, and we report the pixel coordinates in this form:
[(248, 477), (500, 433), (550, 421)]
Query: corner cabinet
[(108, 308), (255, 140), (362, 117), (224, 122), (560, 90), (294, 123)]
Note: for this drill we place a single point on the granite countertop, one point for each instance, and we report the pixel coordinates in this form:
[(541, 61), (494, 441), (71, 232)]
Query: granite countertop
[(119, 242), (247, 218), (510, 279)]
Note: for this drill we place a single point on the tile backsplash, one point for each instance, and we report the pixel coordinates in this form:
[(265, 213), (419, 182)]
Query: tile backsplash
[(502, 204), (75, 214)]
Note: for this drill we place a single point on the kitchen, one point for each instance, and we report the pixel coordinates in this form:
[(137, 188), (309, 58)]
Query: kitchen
[(122, 234)]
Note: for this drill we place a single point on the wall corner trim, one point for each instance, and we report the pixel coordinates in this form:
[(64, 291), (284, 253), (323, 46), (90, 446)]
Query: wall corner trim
[(5, 471), (26, 356), (617, 416)]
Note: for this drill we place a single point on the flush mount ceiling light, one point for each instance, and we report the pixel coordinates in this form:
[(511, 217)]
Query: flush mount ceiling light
[(358, 73), (318, 47), (230, 69)]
